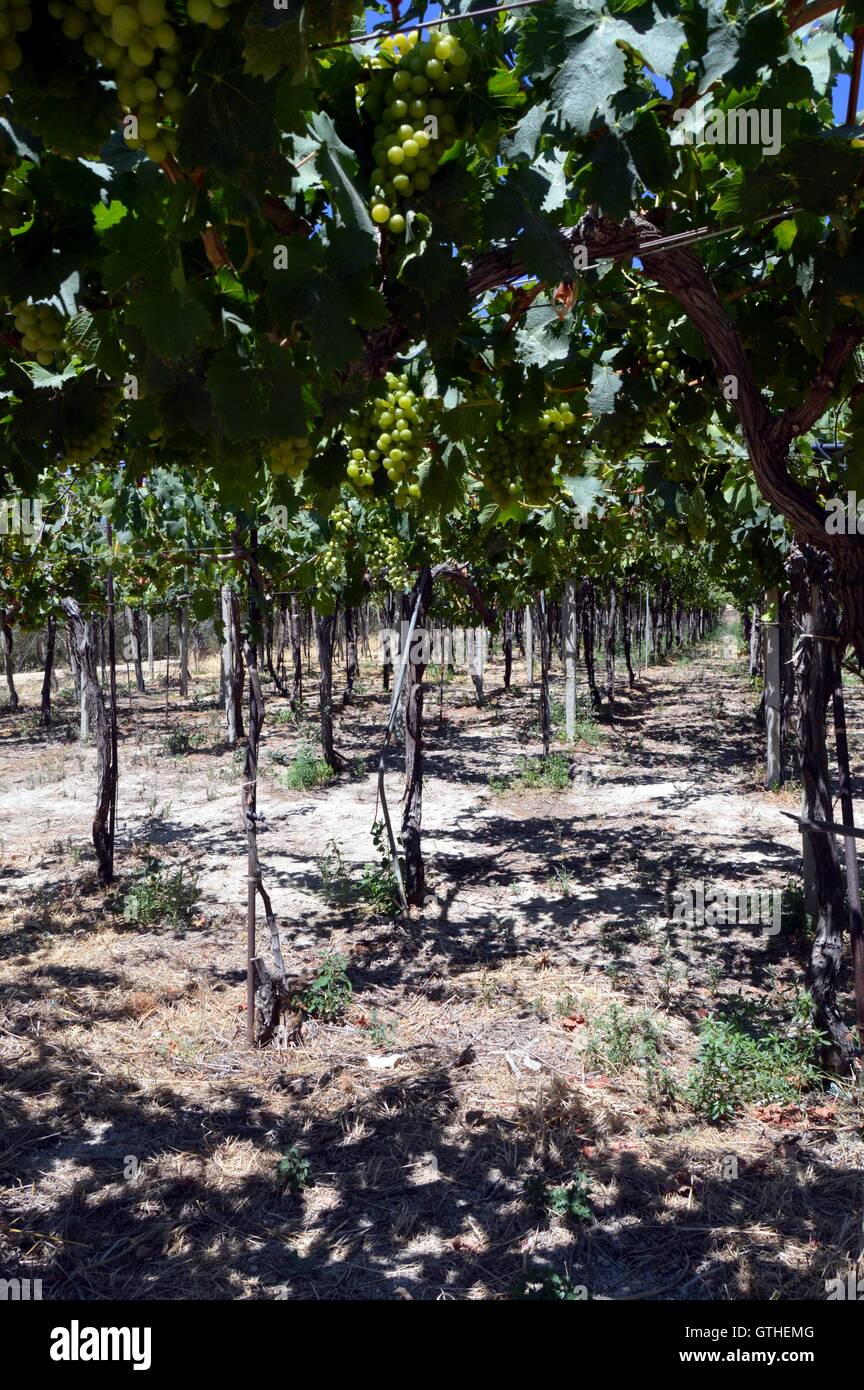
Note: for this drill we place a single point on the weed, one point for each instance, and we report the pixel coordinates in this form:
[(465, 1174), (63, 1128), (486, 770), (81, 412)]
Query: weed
[(734, 1065), (567, 1004), (551, 774), (337, 888), (177, 741), (618, 1040), (294, 1170), (537, 1285), (307, 771), (330, 991), (569, 1200), (378, 886), (381, 1032), (161, 895), (562, 881), (795, 919)]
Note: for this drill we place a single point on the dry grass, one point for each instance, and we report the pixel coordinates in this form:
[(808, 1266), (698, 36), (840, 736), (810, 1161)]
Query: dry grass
[(142, 1140)]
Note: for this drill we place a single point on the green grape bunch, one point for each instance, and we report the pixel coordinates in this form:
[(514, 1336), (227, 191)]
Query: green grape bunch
[(329, 567), (518, 464), (136, 41), (82, 446), (341, 521), (41, 327), (385, 555), (413, 101), (290, 457), (662, 360), (15, 17), (389, 433)]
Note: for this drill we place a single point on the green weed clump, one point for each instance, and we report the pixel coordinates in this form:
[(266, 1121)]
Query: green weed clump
[(307, 771), (737, 1065), (531, 774), (330, 992), (162, 896)]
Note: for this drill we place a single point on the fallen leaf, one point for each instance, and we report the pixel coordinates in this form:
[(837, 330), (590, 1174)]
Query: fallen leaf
[(572, 1021)]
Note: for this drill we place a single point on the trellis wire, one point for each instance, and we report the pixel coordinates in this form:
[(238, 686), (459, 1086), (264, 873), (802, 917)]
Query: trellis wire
[(426, 24)]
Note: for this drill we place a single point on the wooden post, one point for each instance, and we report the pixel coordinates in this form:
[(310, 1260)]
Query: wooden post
[(84, 730), (570, 641), (151, 657), (529, 645), (112, 676), (773, 695), (853, 885)]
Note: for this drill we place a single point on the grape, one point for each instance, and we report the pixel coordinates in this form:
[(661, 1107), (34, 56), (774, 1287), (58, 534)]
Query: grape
[(384, 553), (385, 420), (518, 464), (98, 438), (290, 456), (41, 329), (660, 359), (408, 88), (139, 43)]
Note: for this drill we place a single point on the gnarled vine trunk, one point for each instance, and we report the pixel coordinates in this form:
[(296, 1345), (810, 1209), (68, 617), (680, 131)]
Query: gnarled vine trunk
[(8, 661), (106, 778), (50, 638), (813, 684)]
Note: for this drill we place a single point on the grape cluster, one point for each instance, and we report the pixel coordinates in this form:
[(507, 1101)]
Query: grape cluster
[(518, 464), (388, 432), (330, 567), (412, 102), (98, 438), (341, 521), (290, 456), (384, 553), (136, 40), (661, 359), (15, 17), (41, 328)]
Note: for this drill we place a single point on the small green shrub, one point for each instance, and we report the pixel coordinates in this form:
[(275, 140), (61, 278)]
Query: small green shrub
[(618, 1040), (330, 992), (294, 1170), (551, 774), (161, 895), (376, 886), (735, 1066), (307, 771), (337, 887), (177, 741), (569, 1199)]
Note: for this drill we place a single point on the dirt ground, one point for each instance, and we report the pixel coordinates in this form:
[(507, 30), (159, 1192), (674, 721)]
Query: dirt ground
[(141, 1140)]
